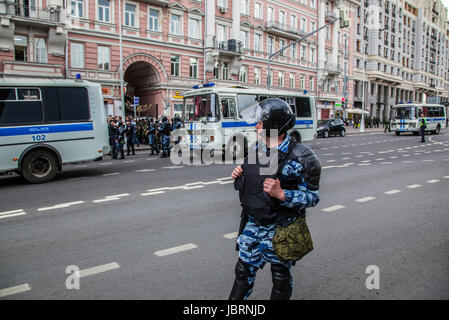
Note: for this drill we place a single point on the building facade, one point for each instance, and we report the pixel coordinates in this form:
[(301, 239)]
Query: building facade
[(167, 47), (401, 53)]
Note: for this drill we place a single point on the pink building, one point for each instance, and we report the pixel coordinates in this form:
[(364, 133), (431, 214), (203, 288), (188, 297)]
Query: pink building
[(169, 46)]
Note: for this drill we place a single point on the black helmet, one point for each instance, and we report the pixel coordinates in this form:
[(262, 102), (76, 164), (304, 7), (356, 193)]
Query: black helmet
[(164, 118), (275, 113)]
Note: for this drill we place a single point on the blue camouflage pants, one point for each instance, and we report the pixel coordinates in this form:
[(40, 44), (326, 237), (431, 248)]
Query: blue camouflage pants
[(165, 143), (256, 249)]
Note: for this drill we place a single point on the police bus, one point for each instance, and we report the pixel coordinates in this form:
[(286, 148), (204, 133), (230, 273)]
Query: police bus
[(214, 117), (47, 123), (406, 117)]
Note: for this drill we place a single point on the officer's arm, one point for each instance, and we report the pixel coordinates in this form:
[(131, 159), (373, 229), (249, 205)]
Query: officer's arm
[(308, 173)]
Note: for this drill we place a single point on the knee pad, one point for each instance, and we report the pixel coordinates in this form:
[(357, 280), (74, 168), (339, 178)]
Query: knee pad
[(282, 288), (241, 288)]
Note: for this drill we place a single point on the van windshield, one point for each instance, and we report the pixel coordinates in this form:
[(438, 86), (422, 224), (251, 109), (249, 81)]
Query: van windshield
[(202, 107)]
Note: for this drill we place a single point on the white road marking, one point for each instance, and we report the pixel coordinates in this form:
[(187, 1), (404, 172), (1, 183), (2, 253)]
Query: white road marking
[(59, 206), (346, 153), (110, 174), (112, 198), (166, 252), (14, 290), (328, 154), (145, 170), (392, 192), (193, 187), (331, 160), (173, 167), (446, 177), (364, 164), (364, 161), (407, 161), (152, 193), (333, 208), (225, 178), (232, 235), (432, 181), (380, 159), (365, 199), (105, 163), (386, 162), (151, 159), (414, 186), (393, 157), (98, 269), (129, 161), (81, 166), (226, 182), (428, 160), (345, 158), (12, 213)]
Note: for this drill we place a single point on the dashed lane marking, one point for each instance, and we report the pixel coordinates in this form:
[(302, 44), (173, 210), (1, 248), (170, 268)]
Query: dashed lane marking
[(173, 167), (12, 213), (111, 198), (105, 163), (166, 252), (98, 269), (14, 290), (333, 208), (145, 170), (392, 192), (366, 199), (414, 186), (432, 181), (110, 174), (232, 235), (151, 193), (60, 206)]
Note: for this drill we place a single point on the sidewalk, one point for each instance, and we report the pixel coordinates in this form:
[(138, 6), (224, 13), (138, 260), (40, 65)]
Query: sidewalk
[(351, 130)]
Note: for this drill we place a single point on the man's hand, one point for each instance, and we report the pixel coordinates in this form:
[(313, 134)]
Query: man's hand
[(273, 188), (237, 172)]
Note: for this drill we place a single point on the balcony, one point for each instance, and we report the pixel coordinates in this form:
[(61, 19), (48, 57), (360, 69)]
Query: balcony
[(230, 47), (30, 13), (32, 69), (332, 69), (330, 16), (283, 30), (158, 3)]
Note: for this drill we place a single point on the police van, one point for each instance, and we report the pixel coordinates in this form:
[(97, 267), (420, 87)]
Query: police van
[(48, 123), (406, 117), (214, 119)]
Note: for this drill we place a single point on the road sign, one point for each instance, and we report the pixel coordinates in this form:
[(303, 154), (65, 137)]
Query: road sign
[(136, 100)]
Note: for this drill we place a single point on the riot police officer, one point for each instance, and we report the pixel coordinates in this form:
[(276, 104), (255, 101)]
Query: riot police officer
[(121, 131), (273, 228), (177, 124), (152, 137), (164, 131), (130, 136), (113, 138), (422, 126)]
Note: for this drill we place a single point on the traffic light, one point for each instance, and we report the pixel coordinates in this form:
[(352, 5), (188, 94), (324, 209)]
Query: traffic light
[(344, 23), (343, 103)]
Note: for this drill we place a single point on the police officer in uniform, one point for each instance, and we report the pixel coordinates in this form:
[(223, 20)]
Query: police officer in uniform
[(164, 131), (130, 135), (113, 138), (422, 126), (121, 131), (177, 124), (152, 137), (272, 200)]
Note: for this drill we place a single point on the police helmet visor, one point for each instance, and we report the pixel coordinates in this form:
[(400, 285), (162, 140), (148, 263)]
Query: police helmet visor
[(252, 114)]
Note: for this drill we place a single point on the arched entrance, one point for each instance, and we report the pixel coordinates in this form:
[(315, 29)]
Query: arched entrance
[(142, 74)]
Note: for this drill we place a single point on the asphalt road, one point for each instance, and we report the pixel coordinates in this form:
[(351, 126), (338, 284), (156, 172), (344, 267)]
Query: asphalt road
[(143, 228)]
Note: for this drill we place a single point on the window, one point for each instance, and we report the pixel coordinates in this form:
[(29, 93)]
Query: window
[(174, 70), (202, 106), (292, 80), (193, 68), (293, 22), (311, 83), (221, 33), (257, 75), (312, 55), (243, 74), (282, 18), (104, 9), (153, 20), (293, 51), (20, 106), (244, 38), (225, 71), (66, 104), (270, 14), (312, 26), (221, 4), (303, 25), (228, 108), (77, 55), (244, 7), (104, 58), (77, 8), (328, 33), (194, 28), (20, 48), (40, 50), (270, 77), (301, 83), (303, 53), (281, 46), (303, 107), (281, 79), (258, 42), (175, 24), (130, 15), (258, 10), (270, 44)]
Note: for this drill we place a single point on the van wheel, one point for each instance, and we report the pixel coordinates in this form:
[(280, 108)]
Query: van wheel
[(326, 134), (342, 132), (397, 133), (39, 166)]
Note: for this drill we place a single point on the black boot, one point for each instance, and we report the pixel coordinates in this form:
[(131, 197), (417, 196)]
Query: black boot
[(282, 288), (241, 288)]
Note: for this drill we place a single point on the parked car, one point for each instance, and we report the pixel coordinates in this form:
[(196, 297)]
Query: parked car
[(331, 127)]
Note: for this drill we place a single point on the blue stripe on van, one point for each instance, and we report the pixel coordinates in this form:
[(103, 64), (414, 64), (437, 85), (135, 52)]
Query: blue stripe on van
[(54, 128), (245, 124)]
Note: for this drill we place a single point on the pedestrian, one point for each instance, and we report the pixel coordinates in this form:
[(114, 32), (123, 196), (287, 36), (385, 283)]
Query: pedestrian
[(152, 137), (422, 126), (274, 205), (164, 131), (130, 135)]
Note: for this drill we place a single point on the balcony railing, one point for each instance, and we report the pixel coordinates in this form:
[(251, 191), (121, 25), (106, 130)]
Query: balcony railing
[(232, 46), (277, 28), (330, 16), (31, 12), (332, 69)]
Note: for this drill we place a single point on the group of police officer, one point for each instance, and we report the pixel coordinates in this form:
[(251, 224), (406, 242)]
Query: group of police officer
[(155, 133)]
